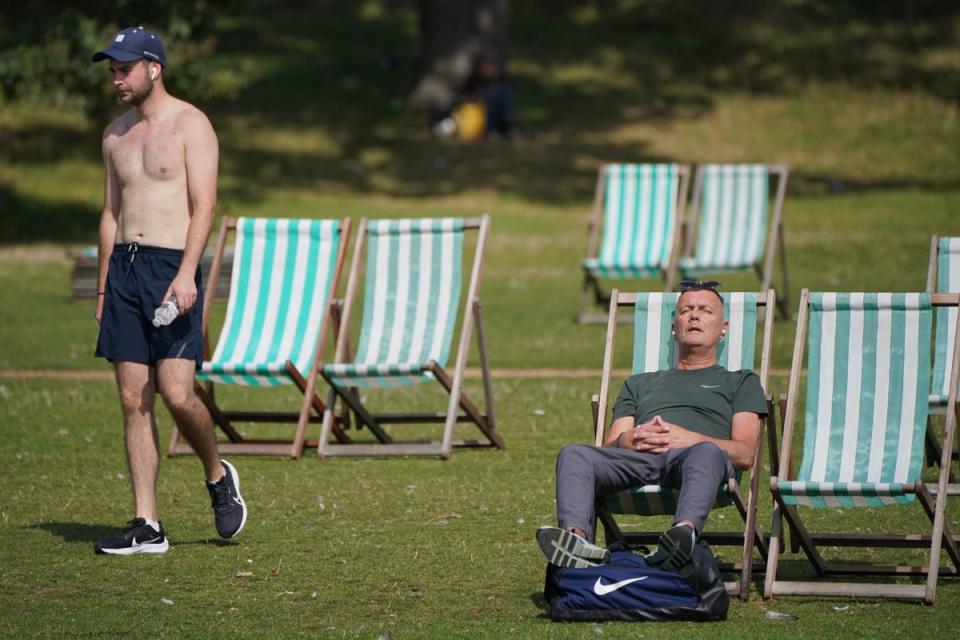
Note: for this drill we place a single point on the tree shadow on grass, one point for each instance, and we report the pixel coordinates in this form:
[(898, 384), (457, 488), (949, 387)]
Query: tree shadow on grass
[(75, 531), (36, 219), (48, 143), (326, 115)]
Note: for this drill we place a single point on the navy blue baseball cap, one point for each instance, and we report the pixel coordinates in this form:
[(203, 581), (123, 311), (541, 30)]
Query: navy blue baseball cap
[(134, 43)]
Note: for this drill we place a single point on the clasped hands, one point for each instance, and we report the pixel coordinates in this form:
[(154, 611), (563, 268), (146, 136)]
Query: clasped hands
[(656, 436)]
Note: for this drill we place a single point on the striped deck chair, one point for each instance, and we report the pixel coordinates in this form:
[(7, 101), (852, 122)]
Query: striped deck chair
[(412, 296), (283, 278), (732, 226), (943, 276), (654, 350), (868, 363), (639, 208)]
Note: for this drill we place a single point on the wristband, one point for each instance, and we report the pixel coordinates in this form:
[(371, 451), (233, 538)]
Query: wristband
[(101, 293)]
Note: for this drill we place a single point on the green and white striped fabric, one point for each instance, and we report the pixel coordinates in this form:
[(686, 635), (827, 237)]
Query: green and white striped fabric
[(948, 281), (412, 293), (639, 217), (653, 500), (279, 292), (732, 228), (868, 363), (654, 349)]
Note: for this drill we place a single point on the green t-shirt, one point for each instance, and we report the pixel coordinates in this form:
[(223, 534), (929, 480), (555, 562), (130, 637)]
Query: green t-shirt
[(701, 400)]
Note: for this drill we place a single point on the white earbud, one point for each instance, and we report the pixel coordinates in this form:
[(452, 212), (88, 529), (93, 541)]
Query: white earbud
[(153, 74)]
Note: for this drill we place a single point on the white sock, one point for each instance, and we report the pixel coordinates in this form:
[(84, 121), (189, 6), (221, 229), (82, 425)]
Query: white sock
[(154, 524)]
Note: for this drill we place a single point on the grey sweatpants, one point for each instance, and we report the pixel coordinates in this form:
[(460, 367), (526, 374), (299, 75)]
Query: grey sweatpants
[(585, 472)]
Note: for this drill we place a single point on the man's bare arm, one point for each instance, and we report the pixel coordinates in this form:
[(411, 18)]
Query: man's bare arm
[(108, 223), (659, 435), (619, 427), (201, 159)]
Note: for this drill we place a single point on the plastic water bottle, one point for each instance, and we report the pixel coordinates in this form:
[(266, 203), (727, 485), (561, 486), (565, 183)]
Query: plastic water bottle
[(166, 312)]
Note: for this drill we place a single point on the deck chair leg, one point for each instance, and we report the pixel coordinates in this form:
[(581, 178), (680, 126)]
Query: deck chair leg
[(931, 447), (933, 451), (759, 542), (940, 531), (591, 296), (310, 400), (773, 559), (218, 417), (327, 424), (775, 464), (306, 389), (803, 539), (471, 410), (484, 363), (752, 535), (611, 530), (783, 303), (363, 416), (585, 298), (928, 503)]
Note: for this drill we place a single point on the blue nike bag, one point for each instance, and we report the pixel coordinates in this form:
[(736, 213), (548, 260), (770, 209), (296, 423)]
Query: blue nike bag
[(628, 589)]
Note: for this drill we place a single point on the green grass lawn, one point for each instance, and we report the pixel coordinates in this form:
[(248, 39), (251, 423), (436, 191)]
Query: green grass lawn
[(424, 548), (340, 547)]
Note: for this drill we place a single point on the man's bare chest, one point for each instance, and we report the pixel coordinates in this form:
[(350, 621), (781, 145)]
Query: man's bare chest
[(152, 153)]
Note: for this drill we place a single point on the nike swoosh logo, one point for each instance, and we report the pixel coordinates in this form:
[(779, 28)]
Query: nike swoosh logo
[(135, 542), (238, 501), (603, 589)]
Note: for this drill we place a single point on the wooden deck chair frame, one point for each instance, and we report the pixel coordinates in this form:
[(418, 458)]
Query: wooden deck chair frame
[(810, 542), (750, 537), (459, 409), (774, 245), (311, 408), (938, 392), (592, 295)]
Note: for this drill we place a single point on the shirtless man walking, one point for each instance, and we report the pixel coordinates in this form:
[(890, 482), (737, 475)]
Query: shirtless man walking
[(160, 190)]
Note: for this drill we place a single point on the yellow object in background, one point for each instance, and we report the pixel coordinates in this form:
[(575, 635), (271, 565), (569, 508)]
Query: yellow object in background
[(471, 119)]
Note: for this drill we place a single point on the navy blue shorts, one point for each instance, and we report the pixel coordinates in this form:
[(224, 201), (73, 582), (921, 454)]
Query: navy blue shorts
[(137, 278)]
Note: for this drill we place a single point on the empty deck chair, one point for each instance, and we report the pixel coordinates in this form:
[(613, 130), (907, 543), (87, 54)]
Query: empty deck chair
[(411, 303), (943, 276), (735, 224), (283, 278), (868, 380), (638, 208), (654, 349)]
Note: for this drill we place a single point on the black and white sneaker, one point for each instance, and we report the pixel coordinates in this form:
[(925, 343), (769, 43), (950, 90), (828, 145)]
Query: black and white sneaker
[(564, 548), (674, 548), (229, 508), (136, 537)]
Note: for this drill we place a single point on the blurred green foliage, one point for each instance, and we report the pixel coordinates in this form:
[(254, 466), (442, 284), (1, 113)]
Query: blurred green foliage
[(45, 50)]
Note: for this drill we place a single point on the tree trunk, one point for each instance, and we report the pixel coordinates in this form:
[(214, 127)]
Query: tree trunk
[(452, 34)]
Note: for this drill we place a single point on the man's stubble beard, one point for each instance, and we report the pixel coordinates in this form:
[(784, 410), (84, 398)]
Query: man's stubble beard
[(138, 98)]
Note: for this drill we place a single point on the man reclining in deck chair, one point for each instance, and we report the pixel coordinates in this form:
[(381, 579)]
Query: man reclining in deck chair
[(687, 427)]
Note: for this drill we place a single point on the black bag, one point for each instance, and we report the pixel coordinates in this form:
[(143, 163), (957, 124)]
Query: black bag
[(628, 589)]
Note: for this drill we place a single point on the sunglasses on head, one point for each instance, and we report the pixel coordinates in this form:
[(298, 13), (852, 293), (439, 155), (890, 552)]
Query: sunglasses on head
[(700, 285)]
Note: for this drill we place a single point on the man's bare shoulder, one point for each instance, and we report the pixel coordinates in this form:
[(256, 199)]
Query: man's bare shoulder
[(190, 118), (121, 124)]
